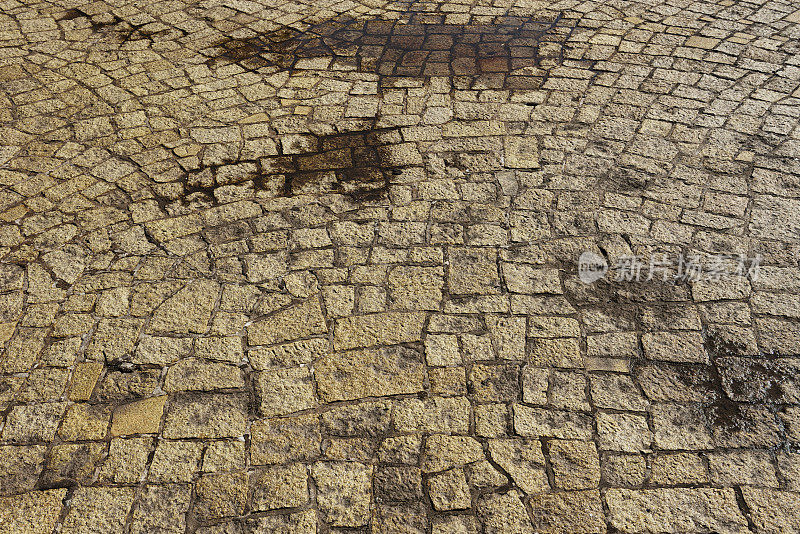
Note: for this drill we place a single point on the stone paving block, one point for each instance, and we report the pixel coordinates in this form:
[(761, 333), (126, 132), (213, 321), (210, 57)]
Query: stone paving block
[(36, 512), (140, 417), (377, 329), (283, 391), (296, 322), (344, 492), (675, 508), (98, 510), (369, 373), (206, 415), (299, 268)]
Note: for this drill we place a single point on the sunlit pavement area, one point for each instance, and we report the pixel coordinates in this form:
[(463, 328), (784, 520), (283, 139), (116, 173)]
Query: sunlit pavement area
[(515, 267)]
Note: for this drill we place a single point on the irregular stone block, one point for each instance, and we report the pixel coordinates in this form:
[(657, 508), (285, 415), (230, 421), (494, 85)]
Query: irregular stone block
[(206, 415), (369, 373), (140, 417), (295, 322), (283, 391), (388, 328), (675, 510)]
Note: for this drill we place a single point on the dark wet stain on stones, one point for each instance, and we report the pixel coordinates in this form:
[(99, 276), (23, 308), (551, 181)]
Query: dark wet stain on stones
[(110, 25), (358, 164), (71, 14), (417, 45), (511, 53), (738, 381)]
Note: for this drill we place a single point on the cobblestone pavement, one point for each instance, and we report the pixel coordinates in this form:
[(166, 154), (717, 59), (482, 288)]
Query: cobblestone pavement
[(299, 267)]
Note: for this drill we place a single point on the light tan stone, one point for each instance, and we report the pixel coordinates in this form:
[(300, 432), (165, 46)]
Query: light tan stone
[(369, 373), (387, 328), (295, 322), (84, 379), (140, 417)]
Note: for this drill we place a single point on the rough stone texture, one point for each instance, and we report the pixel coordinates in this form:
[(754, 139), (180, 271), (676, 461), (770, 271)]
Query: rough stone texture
[(221, 495), (772, 510), (369, 373), (140, 417), (36, 512), (291, 438), (377, 329), (98, 510), (161, 509), (281, 487), (675, 509), (343, 492), (523, 460), (188, 311), (295, 322), (568, 511), (302, 267), (20, 467), (200, 375), (283, 391), (206, 415), (504, 513)]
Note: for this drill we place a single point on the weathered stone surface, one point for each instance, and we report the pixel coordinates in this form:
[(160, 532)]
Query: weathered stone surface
[(161, 509), (538, 422), (288, 354), (140, 417), (523, 460), (224, 455), (443, 452), (344, 492), (36, 512), (521, 153), (101, 510), (34, 422), (415, 288), (679, 509), (127, 460), (20, 467), (368, 418), (473, 271), (623, 432), (575, 464), (304, 522), (281, 487), (295, 267), (295, 322), (369, 373), (175, 461), (286, 439), (679, 468), (84, 378), (504, 514), (283, 391), (221, 495), (772, 510), (580, 512), (188, 311), (449, 490), (438, 414), (85, 421), (377, 329), (206, 415), (394, 484), (200, 375), (411, 519)]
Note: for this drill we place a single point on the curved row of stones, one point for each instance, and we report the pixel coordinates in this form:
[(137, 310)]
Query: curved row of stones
[(311, 267)]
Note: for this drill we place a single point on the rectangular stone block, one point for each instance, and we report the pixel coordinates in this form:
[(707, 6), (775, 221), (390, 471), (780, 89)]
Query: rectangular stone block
[(377, 329), (369, 373)]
